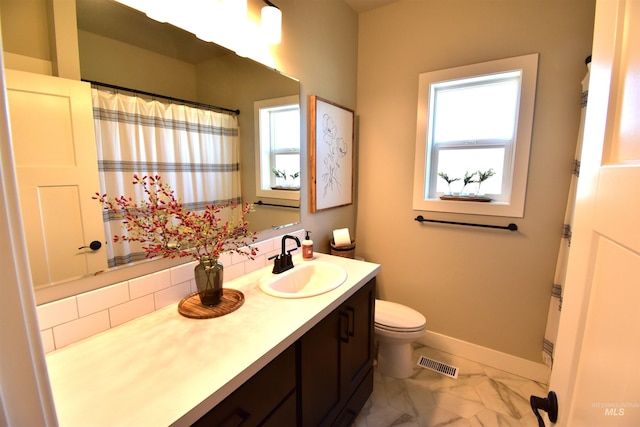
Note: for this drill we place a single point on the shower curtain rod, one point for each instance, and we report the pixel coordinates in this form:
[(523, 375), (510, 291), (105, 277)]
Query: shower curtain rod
[(168, 98)]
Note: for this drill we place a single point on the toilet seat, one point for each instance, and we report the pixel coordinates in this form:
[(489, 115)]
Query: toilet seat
[(394, 317), (398, 330)]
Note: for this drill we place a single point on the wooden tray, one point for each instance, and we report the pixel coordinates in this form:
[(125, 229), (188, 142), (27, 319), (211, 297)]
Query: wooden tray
[(230, 301), (466, 199)]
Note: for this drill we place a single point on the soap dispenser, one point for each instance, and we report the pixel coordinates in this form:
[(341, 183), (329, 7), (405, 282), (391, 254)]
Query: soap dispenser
[(307, 248)]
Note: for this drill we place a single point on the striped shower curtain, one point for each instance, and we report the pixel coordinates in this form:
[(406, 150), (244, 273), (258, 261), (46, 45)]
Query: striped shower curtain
[(555, 306), (196, 151)]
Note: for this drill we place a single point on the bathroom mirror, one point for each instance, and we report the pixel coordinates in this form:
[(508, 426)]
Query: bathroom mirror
[(123, 47)]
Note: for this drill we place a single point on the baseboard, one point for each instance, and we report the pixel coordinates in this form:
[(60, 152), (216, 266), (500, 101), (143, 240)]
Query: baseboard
[(515, 365)]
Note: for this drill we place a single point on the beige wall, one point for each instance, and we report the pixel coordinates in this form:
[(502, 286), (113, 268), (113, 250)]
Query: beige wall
[(109, 61), (487, 287), (320, 47), (28, 25)]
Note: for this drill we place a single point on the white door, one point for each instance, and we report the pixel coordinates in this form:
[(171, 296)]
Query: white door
[(596, 372), (54, 149)]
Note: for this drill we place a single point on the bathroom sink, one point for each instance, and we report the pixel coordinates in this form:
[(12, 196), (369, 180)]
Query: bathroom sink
[(305, 279)]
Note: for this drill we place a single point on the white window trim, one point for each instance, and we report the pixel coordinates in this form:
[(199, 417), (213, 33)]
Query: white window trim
[(514, 207), (257, 106)]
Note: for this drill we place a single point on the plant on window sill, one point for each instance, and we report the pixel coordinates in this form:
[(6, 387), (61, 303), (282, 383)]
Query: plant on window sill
[(282, 175), (468, 179), (482, 177), (449, 181)]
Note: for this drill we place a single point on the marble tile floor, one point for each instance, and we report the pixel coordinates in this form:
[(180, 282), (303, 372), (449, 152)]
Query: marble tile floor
[(480, 396)]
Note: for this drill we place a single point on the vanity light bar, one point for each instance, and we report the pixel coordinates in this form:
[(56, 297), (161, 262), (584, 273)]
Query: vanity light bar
[(224, 22)]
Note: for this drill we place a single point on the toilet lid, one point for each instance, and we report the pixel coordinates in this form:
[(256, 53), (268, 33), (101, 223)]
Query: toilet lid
[(393, 316)]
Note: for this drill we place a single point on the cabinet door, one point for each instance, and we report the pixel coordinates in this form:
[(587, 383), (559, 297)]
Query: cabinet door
[(357, 401), (357, 351), (267, 397), (319, 382), (336, 357)]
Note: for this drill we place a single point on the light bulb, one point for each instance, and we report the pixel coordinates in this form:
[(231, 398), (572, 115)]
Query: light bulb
[(271, 24)]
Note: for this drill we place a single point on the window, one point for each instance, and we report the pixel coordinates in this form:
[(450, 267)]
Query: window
[(473, 119), (278, 148)]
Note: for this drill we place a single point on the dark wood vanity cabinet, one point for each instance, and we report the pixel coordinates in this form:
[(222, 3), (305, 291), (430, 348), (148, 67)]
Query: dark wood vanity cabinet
[(324, 379), (267, 399), (335, 363)]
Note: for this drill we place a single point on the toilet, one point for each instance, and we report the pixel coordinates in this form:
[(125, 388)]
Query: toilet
[(395, 327)]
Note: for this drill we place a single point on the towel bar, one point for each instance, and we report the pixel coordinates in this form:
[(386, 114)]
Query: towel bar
[(511, 227)]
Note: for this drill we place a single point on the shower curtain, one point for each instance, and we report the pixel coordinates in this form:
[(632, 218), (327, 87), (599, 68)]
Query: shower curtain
[(196, 151), (555, 306)]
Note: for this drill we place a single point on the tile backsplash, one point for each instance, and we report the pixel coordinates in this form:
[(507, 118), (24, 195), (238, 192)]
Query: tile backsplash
[(72, 319)]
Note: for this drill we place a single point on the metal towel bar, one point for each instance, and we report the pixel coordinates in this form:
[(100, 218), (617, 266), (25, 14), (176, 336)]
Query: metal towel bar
[(511, 227), (261, 203)]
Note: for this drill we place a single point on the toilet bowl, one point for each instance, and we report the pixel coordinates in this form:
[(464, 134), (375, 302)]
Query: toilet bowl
[(395, 327)]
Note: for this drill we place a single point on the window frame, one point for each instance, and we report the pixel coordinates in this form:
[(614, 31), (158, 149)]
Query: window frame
[(515, 176), (261, 141)]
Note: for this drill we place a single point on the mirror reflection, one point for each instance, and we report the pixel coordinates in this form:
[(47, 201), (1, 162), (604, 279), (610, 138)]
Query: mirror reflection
[(121, 47)]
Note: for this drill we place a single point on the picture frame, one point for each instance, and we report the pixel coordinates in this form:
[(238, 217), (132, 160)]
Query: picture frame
[(331, 154)]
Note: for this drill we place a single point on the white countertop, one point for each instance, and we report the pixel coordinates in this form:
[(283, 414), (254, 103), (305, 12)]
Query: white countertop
[(165, 369)]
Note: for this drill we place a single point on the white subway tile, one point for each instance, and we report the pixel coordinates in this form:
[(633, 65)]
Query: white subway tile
[(80, 329), (233, 271), (47, 340), (72, 319), (255, 264), (226, 259), (299, 234), (130, 310), (261, 247), (103, 298), (182, 273), (268, 255), (57, 312), (266, 245), (171, 295), (149, 284)]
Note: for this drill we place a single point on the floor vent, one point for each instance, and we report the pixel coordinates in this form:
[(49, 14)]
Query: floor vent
[(434, 365)]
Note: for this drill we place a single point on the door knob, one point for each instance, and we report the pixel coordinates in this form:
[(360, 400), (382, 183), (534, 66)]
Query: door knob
[(548, 404), (94, 246)]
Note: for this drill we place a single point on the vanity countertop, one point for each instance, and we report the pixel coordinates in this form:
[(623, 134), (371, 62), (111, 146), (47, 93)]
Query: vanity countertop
[(166, 369)]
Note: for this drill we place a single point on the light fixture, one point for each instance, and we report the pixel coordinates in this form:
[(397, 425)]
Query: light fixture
[(160, 11), (224, 22), (271, 23)]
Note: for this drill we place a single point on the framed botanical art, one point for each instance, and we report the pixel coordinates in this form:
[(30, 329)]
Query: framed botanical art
[(331, 145)]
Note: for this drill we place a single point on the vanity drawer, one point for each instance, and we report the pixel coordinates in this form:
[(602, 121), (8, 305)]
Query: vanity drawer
[(270, 390)]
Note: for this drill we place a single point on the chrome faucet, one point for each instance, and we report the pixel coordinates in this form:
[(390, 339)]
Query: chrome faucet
[(284, 262)]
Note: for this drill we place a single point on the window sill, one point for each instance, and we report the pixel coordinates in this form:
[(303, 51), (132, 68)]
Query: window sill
[(467, 198), (491, 208), (287, 194)]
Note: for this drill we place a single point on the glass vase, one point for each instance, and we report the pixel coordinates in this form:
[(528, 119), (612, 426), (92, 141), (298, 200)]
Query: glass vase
[(208, 274)]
